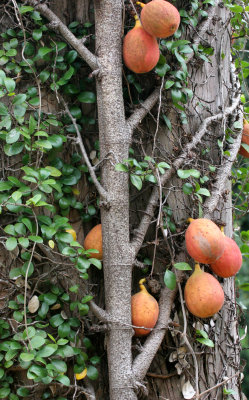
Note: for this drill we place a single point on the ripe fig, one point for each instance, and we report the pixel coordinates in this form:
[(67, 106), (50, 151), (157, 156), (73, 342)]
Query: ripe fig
[(204, 241), (160, 18), (245, 140), (203, 294), (230, 262), (140, 50), (93, 240), (144, 310)]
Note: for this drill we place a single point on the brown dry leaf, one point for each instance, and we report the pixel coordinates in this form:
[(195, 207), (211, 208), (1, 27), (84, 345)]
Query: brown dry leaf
[(33, 304)]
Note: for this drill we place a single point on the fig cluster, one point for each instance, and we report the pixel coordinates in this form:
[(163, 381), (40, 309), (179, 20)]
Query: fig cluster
[(207, 244), (158, 19)]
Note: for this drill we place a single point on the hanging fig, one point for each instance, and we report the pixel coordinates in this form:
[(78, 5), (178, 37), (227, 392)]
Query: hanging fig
[(230, 261), (203, 294), (144, 310), (159, 18), (204, 240), (140, 49)]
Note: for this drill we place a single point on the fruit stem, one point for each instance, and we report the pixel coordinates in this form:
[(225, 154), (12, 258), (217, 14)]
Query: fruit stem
[(189, 220), (140, 4), (222, 230), (141, 286), (197, 267), (138, 23)]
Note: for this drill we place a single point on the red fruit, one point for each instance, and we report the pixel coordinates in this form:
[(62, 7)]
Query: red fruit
[(203, 294), (230, 261), (144, 310), (204, 241), (245, 139), (160, 18), (93, 240), (140, 50)]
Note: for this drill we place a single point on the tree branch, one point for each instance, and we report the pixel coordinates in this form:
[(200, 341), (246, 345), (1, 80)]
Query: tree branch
[(224, 171), (140, 232), (140, 113), (101, 314), (98, 186), (77, 44)]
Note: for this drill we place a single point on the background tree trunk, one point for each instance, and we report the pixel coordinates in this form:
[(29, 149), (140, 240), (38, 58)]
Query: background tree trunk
[(213, 90)]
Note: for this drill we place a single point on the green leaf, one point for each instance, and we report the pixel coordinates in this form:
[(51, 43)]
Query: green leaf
[(34, 101), (64, 329), (163, 165), (92, 373), (14, 149), (12, 136), (206, 342), (23, 392), (43, 51), (11, 243), (187, 188), (56, 320), (24, 268), (37, 341), (59, 365), (10, 84), (3, 109), (204, 192), (18, 316), (182, 266), (20, 228), (71, 56), (44, 75), (184, 174), (169, 84), (37, 34), (47, 350), (19, 99), (15, 273), (97, 263), (170, 279), (136, 181), (121, 167), (69, 73), (36, 239), (27, 356), (4, 392), (87, 97), (63, 379), (25, 9), (229, 391), (50, 298), (27, 223), (1, 373)]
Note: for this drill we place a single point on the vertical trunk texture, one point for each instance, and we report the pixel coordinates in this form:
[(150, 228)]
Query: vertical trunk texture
[(114, 144)]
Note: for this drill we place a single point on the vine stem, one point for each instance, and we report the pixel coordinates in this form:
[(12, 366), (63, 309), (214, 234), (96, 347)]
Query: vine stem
[(184, 335), (103, 193)]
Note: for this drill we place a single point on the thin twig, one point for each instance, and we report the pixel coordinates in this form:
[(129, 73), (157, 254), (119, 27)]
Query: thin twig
[(98, 186), (184, 335), (216, 386)]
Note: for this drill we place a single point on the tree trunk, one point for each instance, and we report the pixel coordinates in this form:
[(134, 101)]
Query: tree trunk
[(170, 359)]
